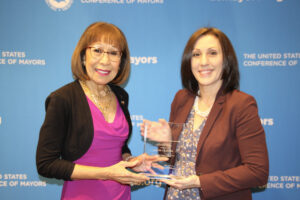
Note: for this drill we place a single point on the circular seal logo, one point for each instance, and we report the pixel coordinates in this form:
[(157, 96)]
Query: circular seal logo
[(59, 5)]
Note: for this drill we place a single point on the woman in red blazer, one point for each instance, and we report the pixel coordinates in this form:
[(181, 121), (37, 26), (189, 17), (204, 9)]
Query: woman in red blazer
[(221, 151)]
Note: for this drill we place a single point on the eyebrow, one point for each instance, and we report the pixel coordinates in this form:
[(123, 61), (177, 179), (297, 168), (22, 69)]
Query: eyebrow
[(208, 48)]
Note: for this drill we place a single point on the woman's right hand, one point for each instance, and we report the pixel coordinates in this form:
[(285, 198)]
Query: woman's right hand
[(119, 173), (157, 131)]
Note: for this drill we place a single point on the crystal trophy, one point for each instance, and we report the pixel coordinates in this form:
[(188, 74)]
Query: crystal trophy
[(161, 148)]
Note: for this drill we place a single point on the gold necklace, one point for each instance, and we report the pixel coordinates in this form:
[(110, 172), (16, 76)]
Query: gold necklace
[(101, 103)]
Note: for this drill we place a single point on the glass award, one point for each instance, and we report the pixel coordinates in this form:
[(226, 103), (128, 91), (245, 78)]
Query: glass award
[(161, 148)]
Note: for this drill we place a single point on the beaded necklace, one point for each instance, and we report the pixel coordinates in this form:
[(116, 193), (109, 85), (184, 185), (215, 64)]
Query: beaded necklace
[(203, 114)]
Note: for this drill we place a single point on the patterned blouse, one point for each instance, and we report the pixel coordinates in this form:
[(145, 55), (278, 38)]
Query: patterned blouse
[(186, 152)]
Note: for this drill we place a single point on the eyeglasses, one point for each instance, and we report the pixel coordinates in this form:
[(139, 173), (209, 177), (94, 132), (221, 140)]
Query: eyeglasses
[(98, 53)]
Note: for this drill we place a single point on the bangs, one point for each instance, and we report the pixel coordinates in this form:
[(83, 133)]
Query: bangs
[(108, 34)]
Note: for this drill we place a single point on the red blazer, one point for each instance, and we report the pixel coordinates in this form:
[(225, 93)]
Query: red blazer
[(232, 154)]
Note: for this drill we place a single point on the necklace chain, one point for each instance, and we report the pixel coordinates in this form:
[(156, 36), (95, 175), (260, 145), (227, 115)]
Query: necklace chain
[(101, 104)]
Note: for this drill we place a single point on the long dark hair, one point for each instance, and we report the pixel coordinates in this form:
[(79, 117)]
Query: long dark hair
[(230, 73)]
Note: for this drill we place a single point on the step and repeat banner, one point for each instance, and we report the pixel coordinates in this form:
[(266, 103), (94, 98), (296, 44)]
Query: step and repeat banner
[(37, 39)]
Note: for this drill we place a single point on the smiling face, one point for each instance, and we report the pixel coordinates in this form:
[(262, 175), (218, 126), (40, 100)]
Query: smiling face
[(207, 62), (101, 70)]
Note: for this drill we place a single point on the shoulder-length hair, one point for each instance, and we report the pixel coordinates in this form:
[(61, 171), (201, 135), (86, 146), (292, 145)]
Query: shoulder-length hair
[(108, 33), (230, 73)]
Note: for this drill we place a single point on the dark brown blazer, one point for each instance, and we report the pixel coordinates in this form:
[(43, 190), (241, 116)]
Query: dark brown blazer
[(232, 154)]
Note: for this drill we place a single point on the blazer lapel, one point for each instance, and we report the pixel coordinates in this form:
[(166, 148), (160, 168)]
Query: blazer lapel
[(213, 115), (183, 113)]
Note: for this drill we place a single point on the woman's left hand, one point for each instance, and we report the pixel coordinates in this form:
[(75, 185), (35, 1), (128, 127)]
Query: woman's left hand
[(146, 162), (184, 182)]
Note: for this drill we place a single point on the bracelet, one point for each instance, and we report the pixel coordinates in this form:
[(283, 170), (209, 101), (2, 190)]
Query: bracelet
[(128, 158)]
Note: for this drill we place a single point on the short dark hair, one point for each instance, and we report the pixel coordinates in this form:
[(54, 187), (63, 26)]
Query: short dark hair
[(101, 31), (230, 72)]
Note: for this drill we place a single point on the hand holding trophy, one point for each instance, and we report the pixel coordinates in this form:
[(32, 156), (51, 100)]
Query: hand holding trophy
[(157, 131), (146, 163)]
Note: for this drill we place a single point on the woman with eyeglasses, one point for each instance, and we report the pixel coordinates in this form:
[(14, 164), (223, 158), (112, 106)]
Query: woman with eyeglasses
[(83, 139), (220, 153)]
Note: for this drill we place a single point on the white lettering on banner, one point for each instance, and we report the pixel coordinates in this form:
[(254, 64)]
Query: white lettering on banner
[(32, 62), (13, 180), (137, 120), (3, 184), (151, 1), (275, 185), (265, 63), (33, 183), (290, 178), (267, 121), (284, 182), (14, 54), (143, 60), (17, 57), (15, 176), (269, 55), (291, 55), (271, 59)]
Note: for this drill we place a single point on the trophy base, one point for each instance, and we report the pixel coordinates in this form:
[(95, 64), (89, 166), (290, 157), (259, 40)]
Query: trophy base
[(162, 176)]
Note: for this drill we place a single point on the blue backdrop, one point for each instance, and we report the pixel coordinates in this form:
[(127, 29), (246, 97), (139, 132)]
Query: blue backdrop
[(37, 39)]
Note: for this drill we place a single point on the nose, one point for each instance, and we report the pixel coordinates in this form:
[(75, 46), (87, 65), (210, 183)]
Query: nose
[(104, 59), (203, 60)]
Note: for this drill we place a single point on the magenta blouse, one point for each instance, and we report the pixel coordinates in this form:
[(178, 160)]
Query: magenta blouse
[(104, 151)]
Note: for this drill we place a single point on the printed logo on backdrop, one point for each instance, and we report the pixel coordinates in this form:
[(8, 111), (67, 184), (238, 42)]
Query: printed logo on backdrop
[(271, 59), (138, 60), (122, 1), (59, 5), (19, 58)]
